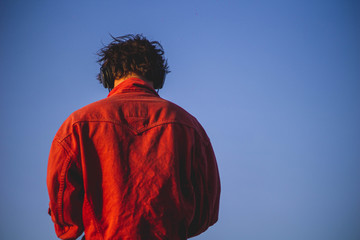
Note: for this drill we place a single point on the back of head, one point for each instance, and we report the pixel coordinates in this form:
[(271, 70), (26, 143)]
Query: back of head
[(132, 54)]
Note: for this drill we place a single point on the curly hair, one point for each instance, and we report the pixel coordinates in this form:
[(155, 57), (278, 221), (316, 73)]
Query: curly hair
[(134, 54)]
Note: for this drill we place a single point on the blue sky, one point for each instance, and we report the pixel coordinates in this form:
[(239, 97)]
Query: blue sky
[(274, 83)]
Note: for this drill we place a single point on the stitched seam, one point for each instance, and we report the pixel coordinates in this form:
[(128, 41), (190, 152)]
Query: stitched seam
[(86, 121), (67, 149), (142, 130), (63, 174), (136, 131)]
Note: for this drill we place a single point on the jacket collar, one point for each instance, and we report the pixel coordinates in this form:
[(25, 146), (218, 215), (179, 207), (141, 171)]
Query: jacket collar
[(133, 84)]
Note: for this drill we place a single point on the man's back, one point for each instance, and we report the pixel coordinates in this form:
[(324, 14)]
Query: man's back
[(132, 166)]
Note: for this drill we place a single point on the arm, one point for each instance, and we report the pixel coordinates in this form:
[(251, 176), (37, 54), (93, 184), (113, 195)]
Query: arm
[(206, 182), (64, 182)]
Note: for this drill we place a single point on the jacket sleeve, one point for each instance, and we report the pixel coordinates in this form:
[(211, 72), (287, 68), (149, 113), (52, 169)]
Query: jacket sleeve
[(64, 182), (206, 183)]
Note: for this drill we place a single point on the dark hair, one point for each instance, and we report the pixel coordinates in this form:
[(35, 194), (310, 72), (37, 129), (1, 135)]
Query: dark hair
[(134, 54)]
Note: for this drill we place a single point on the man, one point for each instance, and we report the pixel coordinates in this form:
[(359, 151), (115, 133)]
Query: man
[(133, 165)]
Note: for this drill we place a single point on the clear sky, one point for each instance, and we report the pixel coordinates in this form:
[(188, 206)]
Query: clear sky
[(276, 85)]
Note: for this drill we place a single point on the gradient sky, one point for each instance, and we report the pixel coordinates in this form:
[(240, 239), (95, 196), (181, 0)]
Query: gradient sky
[(276, 85)]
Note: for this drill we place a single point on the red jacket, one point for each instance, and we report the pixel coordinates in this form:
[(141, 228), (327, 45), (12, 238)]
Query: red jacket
[(132, 166)]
